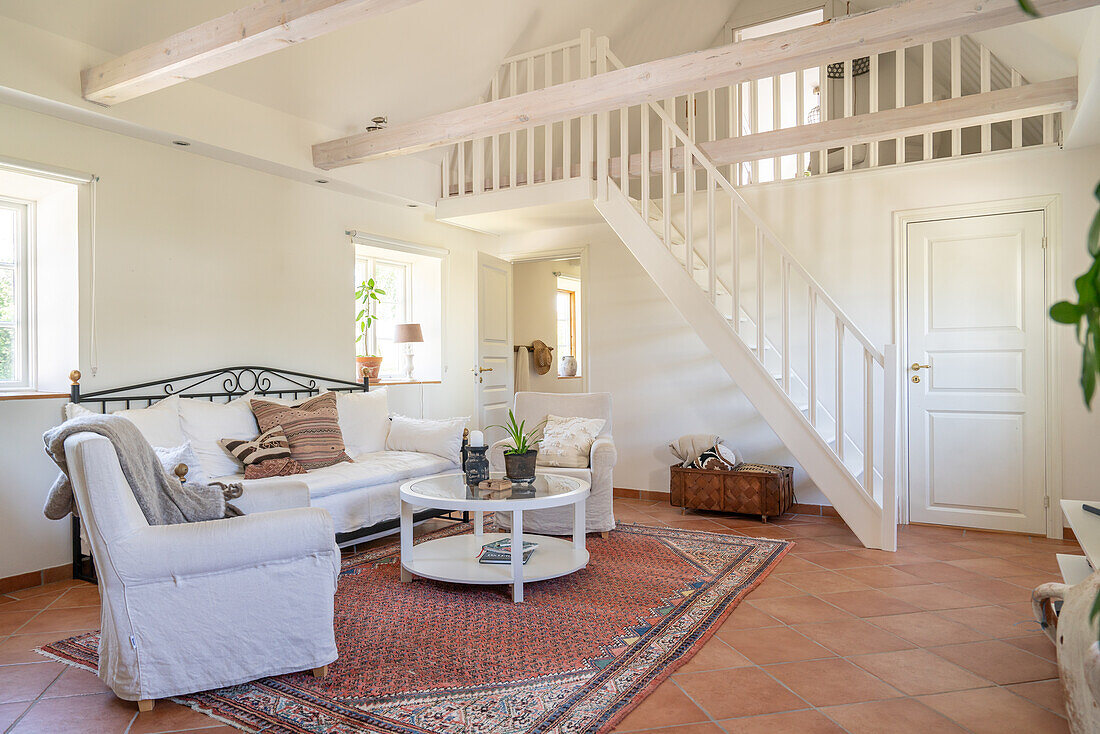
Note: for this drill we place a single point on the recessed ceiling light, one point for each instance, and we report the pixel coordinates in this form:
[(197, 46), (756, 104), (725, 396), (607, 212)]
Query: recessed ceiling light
[(181, 143), (321, 180)]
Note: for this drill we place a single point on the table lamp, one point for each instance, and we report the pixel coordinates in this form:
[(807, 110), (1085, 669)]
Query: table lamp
[(408, 334)]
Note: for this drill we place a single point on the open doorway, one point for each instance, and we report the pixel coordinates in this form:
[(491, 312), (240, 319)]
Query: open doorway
[(550, 305)]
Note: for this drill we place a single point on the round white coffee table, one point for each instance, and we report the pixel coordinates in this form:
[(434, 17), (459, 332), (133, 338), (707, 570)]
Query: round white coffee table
[(454, 558)]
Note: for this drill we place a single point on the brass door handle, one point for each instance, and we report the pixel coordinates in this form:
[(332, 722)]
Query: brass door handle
[(478, 370), (917, 367)]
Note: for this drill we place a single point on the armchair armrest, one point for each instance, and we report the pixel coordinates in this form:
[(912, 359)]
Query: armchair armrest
[(159, 552), (496, 454), (603, 454), (274, 493)]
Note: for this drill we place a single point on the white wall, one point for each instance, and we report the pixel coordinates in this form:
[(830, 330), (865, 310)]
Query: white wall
[(665, 383), (203, 264), (535, 316)]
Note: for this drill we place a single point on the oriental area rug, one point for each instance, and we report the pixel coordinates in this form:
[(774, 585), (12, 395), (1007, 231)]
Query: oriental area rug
[(577, 656)]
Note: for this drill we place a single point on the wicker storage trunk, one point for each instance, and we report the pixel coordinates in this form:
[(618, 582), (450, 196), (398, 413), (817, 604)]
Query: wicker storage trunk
[(752, 489)]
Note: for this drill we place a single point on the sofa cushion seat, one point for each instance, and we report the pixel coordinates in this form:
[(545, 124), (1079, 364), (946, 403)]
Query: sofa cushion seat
[(367, 470)]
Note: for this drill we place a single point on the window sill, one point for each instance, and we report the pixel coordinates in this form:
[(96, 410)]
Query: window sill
[(32, 395), (384, 382)]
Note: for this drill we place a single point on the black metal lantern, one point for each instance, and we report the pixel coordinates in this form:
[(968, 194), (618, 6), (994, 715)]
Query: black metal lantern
[(477, 465), (859, 67)]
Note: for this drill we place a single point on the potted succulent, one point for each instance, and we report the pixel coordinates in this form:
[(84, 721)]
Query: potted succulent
[(519, 458), (367, 293)]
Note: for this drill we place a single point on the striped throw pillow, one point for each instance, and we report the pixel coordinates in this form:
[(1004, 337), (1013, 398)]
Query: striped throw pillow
[(312, 429), (266, 456)]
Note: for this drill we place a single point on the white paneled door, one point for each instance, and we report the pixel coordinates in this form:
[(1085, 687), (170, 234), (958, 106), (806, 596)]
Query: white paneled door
[(976, 372), (493, 372)]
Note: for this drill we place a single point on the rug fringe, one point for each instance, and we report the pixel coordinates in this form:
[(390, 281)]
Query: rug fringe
[(66, 661), (196, 706)]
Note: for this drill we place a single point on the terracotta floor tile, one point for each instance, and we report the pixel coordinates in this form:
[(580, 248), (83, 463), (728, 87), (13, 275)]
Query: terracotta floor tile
[(938, 571), (889, 558), (835, 559), (53, 588), (992, 591), (869, 603), (714, 655), (842, 542), (999, 662), (666, 706), (823, 582), (171, 717), (20, 648), (933, 596), (54, 620), (831, 682), (703, 728), (1046, 693), (917, 672), (853, 637), (10, 622), (996, 567), (944, 551), (1031, 579), (40, 601), (799, 609), (1036, 643), (80, 596), (746, 616), (992, 621), (790, 564), (1047, 562), (775, 645), (772, 587), (772, 532), (794, 722), (882, 576), (818, 530), (9, 712), (996, 711), (75, 682), (989, 547), (811, 545), (102, 713), (739, 692), (928, 628), (897, 716), (25, 682)]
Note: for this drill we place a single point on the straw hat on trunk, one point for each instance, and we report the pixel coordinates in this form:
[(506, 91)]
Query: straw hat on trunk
[(542, 359)]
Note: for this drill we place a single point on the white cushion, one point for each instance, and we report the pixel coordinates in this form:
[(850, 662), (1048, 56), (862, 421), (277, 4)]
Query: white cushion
[(440, 437), (205, 423), (182, 454), (159, 423), (368, 470), (75, 410), (364, 420), (568, 441)]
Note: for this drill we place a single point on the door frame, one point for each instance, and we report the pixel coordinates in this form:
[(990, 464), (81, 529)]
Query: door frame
[(566, 253), (482, 259), (1051, 207)]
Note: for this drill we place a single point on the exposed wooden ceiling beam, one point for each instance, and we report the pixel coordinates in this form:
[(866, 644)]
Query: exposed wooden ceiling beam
[(929, 117), (260, 28), (909, 23)]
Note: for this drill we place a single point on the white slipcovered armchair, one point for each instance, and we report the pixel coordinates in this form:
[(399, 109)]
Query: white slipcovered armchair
[(533, 407), (203, 605)]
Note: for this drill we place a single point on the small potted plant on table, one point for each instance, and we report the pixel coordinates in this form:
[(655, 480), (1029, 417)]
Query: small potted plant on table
[(367, 293), (519, 458)]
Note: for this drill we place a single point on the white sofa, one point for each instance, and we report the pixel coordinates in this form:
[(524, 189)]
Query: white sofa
[(203, 605), (357, 495), (533, 407)]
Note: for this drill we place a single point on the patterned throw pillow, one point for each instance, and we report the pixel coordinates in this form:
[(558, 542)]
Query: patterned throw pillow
[(312, 429), (568, 442), (266, 456)]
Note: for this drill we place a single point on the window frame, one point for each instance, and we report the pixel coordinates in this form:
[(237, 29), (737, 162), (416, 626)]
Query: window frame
[(572, 318), (369, 263), (23, 281)]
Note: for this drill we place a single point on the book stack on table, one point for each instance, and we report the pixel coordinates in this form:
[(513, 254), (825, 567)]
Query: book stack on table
[(500, 551)]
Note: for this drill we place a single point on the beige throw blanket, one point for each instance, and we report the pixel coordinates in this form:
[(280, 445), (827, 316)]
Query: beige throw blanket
[(161, 497)]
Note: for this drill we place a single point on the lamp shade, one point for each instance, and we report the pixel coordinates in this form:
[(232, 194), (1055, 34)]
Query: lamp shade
[(407, 333)]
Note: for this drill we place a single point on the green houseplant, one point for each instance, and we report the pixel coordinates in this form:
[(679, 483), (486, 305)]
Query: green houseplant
[(519, 458), (367, 295)]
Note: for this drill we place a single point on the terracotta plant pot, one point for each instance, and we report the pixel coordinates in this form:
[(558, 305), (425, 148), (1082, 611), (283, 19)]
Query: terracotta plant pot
[(372, 366), (520, 467)]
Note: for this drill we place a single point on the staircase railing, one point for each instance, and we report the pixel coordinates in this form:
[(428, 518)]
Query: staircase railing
[(726, 243)]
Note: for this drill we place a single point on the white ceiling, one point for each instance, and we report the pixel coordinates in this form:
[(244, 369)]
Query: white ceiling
[(390, 64)]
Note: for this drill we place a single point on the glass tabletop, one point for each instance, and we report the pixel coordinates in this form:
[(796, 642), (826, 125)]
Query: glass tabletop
[(453, 487)]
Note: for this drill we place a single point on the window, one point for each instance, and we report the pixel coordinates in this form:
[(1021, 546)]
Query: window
[(772, 114), (568, 322), (393, 307), (15, 316)]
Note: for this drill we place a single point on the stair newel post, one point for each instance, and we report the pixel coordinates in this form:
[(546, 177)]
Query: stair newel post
[(760, 295), (712, 241), (584, 70), (785, 305), (603, 128), (868, 423), (890, 448), (840, 389)]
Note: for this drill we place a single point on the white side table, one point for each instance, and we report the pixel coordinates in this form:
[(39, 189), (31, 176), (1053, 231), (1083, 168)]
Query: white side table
[(454, 558)]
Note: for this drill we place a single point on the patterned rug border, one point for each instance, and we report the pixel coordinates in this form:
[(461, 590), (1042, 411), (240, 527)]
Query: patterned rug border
[(630, 699)]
